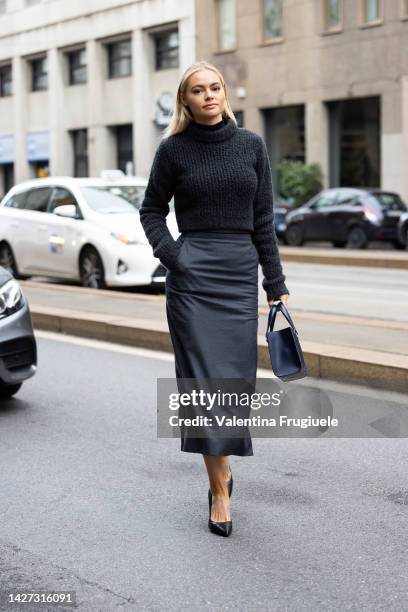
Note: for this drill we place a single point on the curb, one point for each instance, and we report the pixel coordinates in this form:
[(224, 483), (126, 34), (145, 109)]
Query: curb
[(367, 259), (339, 363)]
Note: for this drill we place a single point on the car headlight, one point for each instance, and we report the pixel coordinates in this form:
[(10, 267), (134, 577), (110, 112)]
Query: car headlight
[(10, 298), (126, 239)]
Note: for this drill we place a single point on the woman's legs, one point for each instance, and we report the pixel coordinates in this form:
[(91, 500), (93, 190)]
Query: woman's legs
[(218, 475)]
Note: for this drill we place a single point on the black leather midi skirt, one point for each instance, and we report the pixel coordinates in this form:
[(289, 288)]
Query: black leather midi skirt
[(212, 314)]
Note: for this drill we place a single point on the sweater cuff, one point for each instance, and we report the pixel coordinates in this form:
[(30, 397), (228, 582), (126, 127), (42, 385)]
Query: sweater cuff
[(168, 253), (274, 289)]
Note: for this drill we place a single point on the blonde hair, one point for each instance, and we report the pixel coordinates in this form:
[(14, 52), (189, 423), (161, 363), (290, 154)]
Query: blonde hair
[(182, 116)]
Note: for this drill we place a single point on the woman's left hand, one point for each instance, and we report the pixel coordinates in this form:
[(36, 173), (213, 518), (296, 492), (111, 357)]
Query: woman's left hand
[(283, 298)]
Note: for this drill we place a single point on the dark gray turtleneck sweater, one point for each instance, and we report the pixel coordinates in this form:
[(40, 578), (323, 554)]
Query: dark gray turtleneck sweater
[(221, 180)]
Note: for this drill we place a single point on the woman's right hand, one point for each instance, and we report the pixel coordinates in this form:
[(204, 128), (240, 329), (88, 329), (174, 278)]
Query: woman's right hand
[(283, 298)]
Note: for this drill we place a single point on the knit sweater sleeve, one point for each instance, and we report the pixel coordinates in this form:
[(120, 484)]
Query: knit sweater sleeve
[(155, 208), (264, 230)]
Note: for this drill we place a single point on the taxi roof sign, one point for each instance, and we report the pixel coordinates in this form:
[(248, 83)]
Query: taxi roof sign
[(112, 175)]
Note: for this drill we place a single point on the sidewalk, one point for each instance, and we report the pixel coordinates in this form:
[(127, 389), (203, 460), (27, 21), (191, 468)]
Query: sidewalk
[(138, 319)]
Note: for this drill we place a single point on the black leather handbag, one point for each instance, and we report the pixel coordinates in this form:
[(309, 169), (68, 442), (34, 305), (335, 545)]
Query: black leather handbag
[(284, 347)]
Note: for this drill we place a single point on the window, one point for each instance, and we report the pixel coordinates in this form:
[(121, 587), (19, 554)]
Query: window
[(226, 24), (37, 199), (332, 14), (16, 201), (40, 168), (239, 116), (103, 201), (272, 18), (61, 197), (355, 142), (133, 194), (325, 200), (80, 150), (6, 85), (371, 10), (39, 74), (124, 138), (166, 50), (77, 66), (390, 201), (8, 176), (120, 59), (350, 198)]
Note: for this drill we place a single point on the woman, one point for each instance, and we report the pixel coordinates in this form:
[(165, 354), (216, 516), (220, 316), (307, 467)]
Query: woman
[(221, 181)]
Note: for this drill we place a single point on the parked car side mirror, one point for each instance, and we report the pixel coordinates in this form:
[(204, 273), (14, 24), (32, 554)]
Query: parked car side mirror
[(66, 210)]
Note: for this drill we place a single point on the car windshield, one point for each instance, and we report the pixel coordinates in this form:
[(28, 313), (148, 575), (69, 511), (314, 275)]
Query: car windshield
[(131, 194), (389, 201), (103, 201)]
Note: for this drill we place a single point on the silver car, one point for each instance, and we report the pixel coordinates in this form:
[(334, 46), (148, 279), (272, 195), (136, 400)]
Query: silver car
[(18, 348)]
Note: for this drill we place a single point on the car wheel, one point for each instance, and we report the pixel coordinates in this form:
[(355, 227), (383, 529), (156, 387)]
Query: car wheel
[(7, 391), (339, 244), (294, 235), (91, 269), (401, 242), (357, 238), (398, 245)]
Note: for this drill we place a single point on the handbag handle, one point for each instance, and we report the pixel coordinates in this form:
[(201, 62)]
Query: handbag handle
[(272, 316)]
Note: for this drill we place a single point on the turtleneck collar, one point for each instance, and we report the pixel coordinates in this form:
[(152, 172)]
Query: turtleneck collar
[(212, 126), (218, 132)]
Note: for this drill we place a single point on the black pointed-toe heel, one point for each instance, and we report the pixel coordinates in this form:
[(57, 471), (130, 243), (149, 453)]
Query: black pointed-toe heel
[(222, 528)]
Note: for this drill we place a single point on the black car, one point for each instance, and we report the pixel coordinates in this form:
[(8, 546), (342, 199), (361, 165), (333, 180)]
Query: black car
[(18, 348), (347, 217), (403, 230)]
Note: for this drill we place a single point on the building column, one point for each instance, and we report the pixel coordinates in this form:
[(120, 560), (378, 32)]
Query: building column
[(142, 103), (404, 160), (391, 139), (317, 137), (20, 84), (145, 131), (254, 120), (58, 160), (100, 140)]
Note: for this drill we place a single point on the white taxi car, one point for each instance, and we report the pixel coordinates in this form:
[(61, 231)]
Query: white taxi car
[(85, 229)]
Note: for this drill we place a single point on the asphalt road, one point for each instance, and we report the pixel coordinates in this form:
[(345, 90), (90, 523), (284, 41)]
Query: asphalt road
[(92, 501), (380, 293), (318, 289), (352, 290)]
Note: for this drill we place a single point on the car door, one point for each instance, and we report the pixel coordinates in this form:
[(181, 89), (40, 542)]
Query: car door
[(33, 221), (60, 235), (340, 215), (13, 229), (316, 223)]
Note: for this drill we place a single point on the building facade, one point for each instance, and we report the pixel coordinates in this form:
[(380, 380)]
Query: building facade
[(321, 80), (86, 86)]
